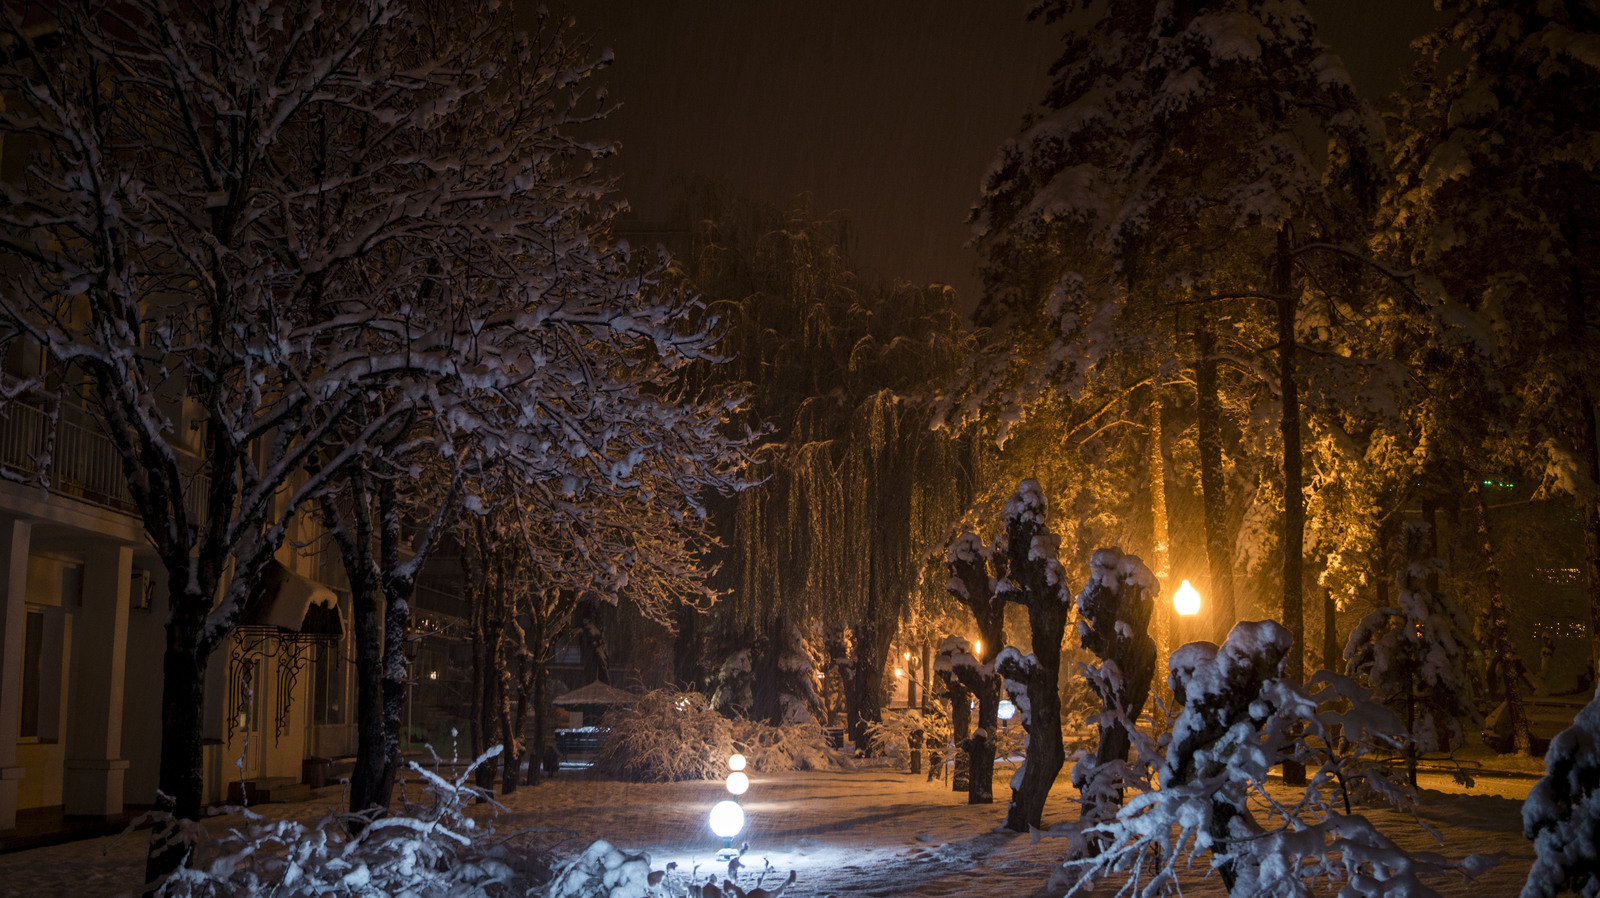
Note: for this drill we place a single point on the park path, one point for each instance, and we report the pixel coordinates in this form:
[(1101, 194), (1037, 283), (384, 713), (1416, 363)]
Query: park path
[(867, 832)]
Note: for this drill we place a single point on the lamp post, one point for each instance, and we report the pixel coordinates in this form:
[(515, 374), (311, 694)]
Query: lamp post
[(727, 816), (1186, 601)]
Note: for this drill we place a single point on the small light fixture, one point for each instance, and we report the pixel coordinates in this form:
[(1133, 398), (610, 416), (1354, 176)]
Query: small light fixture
[(433, 675), (738, 783), (727, 818), (977, 648), (1186, 599), (1007, 709), (906, 656), (898, 672), (736, 762)]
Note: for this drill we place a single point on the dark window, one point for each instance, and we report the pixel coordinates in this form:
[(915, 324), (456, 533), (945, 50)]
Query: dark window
[(327, 686), (32, 670)]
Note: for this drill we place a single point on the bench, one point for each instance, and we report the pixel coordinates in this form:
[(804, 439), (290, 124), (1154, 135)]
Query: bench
[(585, 742)]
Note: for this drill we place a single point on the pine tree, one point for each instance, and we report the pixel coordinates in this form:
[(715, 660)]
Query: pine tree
[(1414, 656)]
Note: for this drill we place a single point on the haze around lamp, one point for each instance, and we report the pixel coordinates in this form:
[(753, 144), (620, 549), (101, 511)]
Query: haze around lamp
[(1186, 599)]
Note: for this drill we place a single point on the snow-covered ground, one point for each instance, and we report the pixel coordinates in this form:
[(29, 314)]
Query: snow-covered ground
[(871, 832)]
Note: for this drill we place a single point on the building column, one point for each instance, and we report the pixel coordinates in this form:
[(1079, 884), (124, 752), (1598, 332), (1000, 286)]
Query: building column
[(95, 766), (14, 538)]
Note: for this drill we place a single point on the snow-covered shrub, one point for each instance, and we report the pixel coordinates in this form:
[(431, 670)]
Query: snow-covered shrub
[(898, 734), (733, 680), (602, 871), (794, 746), (431, 849), (1562, 812), (666, 736), (669, 736), (1241, 717), (1415, 654)]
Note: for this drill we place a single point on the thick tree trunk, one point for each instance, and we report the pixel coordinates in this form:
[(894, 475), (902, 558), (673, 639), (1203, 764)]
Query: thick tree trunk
[(1294, 500), (980, 746), (1213, 492), (366, 779), (866, 683), (960, 727), (182, 700), (536, 742)]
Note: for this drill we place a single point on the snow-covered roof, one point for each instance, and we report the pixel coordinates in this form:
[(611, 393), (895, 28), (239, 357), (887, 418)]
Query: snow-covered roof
[(596, 693)]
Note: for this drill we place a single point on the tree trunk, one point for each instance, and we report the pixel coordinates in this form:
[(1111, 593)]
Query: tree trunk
[(536, 742), (182, 702), (1332, 652), (686, 647), (960, 725), (1503, 655), (1213, 492), (1294, 500), (866, 683), (980, 746), (366, 779)]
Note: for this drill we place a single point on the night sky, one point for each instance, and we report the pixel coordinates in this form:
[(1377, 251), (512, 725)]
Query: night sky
[(891, 111)]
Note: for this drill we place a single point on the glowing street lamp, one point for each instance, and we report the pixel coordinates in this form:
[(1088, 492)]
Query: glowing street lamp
[(727, 817), (1006, 711), (1186, 600)]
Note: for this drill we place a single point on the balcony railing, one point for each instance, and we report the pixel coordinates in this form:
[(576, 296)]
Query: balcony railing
[(83, 463)]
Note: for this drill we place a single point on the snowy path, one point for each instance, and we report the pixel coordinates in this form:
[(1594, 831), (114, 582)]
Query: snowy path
[(862, 833)]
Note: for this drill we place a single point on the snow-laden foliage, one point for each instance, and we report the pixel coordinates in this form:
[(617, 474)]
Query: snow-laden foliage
[(1415, 654), (602, 871), (902, 733), (667, 736), (1562, 812), (1114, 609), (1241, 717), (430, 850)]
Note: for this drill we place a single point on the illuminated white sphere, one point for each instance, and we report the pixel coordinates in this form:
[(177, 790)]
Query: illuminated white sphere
[(727, 818), (738, 783), (1007, 709), (736, 762), (1186, 599)]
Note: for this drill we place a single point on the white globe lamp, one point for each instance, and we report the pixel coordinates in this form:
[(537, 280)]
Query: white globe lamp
[(738, 783)]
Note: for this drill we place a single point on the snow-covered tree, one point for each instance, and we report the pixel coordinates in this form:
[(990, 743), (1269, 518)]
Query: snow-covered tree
[(1496, 193), (976, 572), (1212, 156), (1562, 812), (1036, 581), (1113, 622), (1240, 717), (1414, 655), (266, 231)]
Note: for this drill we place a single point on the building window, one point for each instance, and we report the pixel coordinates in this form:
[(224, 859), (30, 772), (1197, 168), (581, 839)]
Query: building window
[(32, 674), (327, 686)]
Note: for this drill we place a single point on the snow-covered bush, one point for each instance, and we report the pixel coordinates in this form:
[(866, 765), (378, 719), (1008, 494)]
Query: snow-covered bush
[(669, 736), (794, 746), (666, 736), (1415, 654), (1562, 812), (432, 849), (602, 871), (901, 733), (1241, 717)]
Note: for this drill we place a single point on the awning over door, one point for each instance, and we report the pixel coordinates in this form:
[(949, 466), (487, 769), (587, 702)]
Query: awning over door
[(288, 601)]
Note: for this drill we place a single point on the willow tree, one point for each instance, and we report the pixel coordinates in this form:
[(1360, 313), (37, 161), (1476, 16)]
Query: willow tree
[(859, 489)]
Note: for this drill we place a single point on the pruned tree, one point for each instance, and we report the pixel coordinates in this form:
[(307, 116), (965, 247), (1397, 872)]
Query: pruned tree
[(1241, 716), (976, 572), (1113, 622), (1036, 581)]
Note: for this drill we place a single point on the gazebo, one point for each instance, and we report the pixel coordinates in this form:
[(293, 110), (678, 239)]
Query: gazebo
[(592, 700)]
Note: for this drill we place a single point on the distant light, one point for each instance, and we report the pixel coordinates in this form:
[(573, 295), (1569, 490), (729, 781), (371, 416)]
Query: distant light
[(977, 647), (1186, 600), (433, 675), (727, 818), (736, 762), (1007, 709), (898, 672), (907, 656), (738, 783)]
